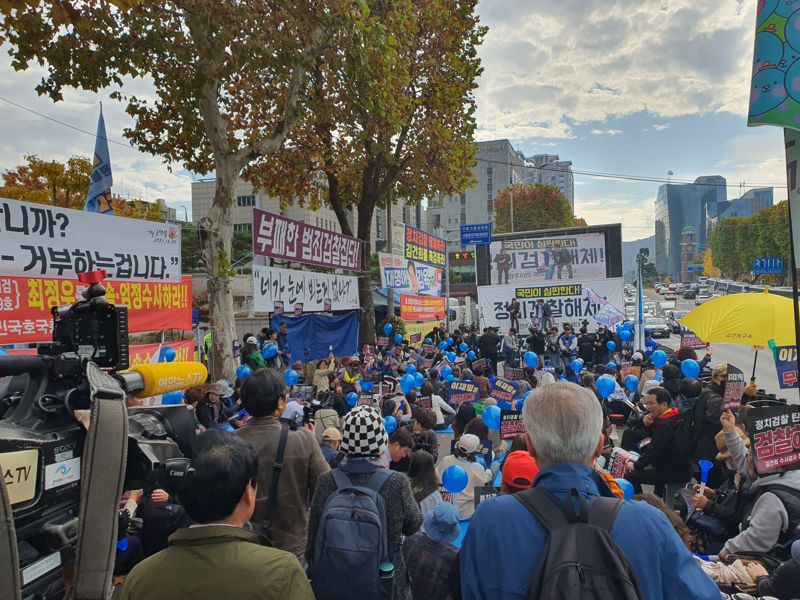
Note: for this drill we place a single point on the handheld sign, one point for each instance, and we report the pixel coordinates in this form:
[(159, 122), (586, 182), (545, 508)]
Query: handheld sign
[(479, 364), (786, 365), (429, 349), (618, 461), (503, 390), (484, 493), (277, 307), (302, 393), (514, 373), (462, 391), (689, 339), (415, 338), (775, 437), (511, 424), (424, 402), (382, 342), (734, 388), (365, 399)]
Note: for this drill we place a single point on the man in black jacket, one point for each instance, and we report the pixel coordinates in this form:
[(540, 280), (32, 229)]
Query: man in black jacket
[(667, 464), (536, 341), (488, 345)]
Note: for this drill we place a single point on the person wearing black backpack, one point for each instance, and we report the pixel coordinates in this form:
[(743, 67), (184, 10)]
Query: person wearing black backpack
[(568, 536), (359, 515)]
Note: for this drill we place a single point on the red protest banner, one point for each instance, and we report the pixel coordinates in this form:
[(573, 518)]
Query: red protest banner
[(140, 354), (775, 436), (421, 308), (25, 304)]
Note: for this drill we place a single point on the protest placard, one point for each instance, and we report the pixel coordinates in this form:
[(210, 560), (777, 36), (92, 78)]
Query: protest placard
[(463, 391), (617, 462), (734, 388), (479, 364), (429, 349), (415, 338), (302, 393), (689, 339), (424, 402), (382, 342), (514, 373), (775, 437), (366, 399), (484, 493), (786, 365), (511, 424), (503, 390)]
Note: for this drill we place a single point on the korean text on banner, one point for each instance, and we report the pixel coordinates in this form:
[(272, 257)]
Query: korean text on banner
[(286, 239), (580, 257), (568, 302), (786, 365), (25, 305), (423, 247), (775, 437), (421, 308), (58, 243), (143, 354), (408, 277), (291, 287)]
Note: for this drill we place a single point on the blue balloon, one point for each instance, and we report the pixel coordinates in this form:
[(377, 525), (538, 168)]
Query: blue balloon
[(367, 386), (291, 377), (387, 329), (605, 385), (428, 341), (451, 356), (172, 398), (454, 479), (390, 424), (579, 361), (411, 368), (576, 366), (168, 354), (243, 372), (690, 368), (530, 359), (407, 383), (611, 346), (659, 359), (3, 352), (270, 350), (442, 346), (631, 383), (449, 342), (611, 365), (352, 398), (419, 379), (492, 379), (471, 355), (627, 326), (626, 487), (462, 347), (446, 370), (398, 339), (491, 417), (450, 378), (225, 427), (625, 335)]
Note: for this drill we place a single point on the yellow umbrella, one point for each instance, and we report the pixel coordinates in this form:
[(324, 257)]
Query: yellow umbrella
[(750, 319)]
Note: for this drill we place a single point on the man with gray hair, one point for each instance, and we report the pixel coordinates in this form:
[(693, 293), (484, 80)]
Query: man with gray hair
[(505, 541)]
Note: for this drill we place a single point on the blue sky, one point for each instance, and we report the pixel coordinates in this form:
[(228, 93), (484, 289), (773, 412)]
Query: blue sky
[(614, 86)]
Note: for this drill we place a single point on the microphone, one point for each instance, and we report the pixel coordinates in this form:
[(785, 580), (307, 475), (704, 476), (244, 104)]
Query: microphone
[(148, 380)]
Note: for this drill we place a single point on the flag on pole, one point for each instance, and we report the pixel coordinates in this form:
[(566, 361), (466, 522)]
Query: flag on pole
[(98, 198), (607, 314)]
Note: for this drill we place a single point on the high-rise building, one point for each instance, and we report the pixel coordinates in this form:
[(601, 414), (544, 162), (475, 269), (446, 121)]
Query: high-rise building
[(547, 169), (679, 205), (751, 203)]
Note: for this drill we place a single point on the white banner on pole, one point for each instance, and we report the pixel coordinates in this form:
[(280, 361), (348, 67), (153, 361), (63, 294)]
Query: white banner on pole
[(37, 240), (568, 301), (553, 259), (316, 292), (409, 277)]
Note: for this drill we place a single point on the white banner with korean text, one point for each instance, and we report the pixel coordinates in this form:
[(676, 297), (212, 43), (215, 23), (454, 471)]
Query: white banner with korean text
[(315, 292), (37, 240), (568, 301)]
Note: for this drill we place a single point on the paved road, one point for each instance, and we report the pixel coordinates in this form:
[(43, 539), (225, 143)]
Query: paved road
[(741, 356)]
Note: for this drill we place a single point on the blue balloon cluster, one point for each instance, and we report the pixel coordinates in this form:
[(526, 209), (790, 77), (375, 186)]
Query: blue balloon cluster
[(411, 368), (625, 335)]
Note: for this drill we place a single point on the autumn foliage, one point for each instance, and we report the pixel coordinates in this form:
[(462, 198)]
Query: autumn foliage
[(536, 206)]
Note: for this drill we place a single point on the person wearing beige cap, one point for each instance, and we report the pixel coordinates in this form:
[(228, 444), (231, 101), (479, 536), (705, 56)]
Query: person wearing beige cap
[(331, 438), (465, 455)]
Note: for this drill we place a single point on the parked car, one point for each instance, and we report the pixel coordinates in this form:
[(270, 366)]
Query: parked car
[(704, 293), (689, 295), (701, 300), (673, 317), (658, 327), (670, 296)]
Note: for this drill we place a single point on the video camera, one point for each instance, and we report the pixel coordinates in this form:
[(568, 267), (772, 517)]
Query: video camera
[(42, 441)]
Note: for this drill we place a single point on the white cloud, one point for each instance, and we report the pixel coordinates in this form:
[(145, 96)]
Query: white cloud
[(606, 131), (634, 212), (662, 126), (551, 64)]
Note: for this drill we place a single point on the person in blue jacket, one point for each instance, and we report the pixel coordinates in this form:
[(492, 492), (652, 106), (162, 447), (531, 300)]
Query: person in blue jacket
[(504, 543)]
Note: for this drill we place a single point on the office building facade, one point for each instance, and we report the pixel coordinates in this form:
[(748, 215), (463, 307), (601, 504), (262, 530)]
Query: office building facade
[(548, 169)]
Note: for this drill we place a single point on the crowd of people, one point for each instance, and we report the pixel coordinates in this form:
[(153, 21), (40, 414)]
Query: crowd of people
[(380, 483)]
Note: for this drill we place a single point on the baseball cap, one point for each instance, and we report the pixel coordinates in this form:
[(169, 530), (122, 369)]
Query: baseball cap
[(720, 370), (441, 524), (331, 434), (637, 356), (519, 470), (252, 340), (468, 443)]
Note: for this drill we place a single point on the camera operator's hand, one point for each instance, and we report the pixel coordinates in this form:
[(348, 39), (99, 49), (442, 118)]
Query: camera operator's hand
[(159, 496), (700, 502)]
